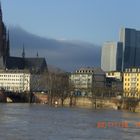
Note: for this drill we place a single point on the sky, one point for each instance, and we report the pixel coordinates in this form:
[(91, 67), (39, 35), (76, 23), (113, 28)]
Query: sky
[(94, 21)]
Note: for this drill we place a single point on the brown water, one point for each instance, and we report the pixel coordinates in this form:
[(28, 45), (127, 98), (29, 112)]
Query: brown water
[(40, 122)]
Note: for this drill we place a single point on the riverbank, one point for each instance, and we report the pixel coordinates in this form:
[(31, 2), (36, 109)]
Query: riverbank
[(99, 103), (77, 101)]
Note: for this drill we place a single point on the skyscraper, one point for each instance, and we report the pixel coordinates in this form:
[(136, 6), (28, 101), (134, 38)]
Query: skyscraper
[(111, 59), (131, 47)]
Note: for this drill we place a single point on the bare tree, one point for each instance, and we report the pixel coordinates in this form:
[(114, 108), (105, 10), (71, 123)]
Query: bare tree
[(58, 86)]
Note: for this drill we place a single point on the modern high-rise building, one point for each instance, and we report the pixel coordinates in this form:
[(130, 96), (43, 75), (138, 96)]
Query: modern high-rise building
[(131, 47), (111, 58)]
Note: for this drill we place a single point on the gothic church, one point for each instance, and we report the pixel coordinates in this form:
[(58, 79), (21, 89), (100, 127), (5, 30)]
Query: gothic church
[(35, 65)]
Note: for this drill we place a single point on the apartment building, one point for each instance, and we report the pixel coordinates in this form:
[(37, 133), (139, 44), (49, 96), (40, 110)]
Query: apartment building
[(85, 79), (131, 82)]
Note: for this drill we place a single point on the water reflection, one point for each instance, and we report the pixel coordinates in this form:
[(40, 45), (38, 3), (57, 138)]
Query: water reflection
[(34, 122)]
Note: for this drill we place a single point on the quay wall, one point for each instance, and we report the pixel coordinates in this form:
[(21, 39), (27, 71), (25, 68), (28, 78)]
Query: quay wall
[(90, 103)]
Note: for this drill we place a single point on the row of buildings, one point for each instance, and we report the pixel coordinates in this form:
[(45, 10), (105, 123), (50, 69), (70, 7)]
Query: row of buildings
[(120, 67), (126, 84), (123, 58), (90, 81)]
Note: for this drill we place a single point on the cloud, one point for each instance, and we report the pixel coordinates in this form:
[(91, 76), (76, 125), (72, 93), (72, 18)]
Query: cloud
[(66, 54)]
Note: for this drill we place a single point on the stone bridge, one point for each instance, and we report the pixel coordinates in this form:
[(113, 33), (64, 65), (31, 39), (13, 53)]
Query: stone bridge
[(15, 97)]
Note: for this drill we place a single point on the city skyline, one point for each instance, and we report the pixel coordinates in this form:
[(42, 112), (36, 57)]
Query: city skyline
[(63, 47), (93, 21), (58, 80), (125, 54)]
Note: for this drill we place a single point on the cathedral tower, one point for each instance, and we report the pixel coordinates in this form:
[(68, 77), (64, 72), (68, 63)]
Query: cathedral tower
[(4, 41)]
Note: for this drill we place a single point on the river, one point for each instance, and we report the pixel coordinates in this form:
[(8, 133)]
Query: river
[(41, 122)]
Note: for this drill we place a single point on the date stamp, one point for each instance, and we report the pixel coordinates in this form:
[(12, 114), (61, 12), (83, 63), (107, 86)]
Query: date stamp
[(112, 124)]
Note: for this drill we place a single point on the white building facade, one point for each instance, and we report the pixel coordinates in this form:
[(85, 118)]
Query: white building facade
[(85, 79), (114, 74), (82, 80), (15, 80)]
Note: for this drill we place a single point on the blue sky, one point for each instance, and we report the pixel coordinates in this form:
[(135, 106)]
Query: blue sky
[(94, 21)]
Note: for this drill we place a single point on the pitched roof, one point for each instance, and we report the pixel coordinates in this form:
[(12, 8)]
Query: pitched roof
[(35, 65), (14, 63)]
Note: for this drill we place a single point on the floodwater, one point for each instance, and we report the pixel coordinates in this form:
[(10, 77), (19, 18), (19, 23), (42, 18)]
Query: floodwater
[(41, 122)]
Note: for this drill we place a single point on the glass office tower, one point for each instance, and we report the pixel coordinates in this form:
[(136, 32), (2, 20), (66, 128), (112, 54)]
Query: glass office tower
[(131, 47)]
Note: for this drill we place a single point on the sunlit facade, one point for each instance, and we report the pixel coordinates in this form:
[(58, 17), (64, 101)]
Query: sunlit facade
[(15, 81), (114, 74), (131, 82), (86, 79)]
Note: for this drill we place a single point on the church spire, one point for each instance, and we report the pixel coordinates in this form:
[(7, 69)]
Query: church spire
[(37, 55), (23, 52), (0, 12), (8, 45)]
